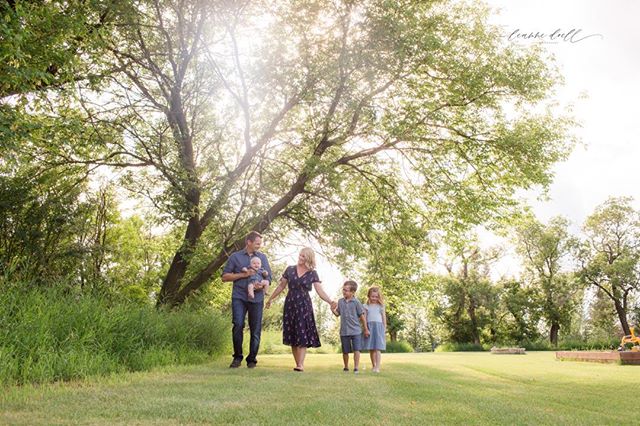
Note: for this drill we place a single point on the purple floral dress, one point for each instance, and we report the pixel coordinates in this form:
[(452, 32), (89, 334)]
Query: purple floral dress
[(298, 321)]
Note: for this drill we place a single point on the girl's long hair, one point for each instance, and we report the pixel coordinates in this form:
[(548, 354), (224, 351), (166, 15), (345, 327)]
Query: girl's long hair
[(372, 290)]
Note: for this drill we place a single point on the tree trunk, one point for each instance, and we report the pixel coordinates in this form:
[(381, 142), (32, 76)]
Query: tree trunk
[(173, 291), (471, 311), (171, 283), (622, 315), (553, 334)]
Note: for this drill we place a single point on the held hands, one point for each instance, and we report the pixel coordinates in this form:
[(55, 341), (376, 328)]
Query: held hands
[(334, 307), (268, 304), (366, 332)]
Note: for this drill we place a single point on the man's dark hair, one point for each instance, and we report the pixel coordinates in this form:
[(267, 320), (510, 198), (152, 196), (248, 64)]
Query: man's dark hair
[(251, 236)]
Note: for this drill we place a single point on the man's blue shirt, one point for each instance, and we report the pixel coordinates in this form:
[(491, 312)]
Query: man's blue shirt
[(235, 263)]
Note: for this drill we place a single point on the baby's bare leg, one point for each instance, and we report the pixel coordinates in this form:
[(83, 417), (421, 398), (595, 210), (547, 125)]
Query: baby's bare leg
[(250, 291)]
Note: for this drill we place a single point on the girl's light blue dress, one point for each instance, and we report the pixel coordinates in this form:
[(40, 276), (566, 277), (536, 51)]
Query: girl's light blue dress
[(377, 339)]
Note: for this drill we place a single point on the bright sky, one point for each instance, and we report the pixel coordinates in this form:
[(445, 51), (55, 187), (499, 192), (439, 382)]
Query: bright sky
[(604, 67)]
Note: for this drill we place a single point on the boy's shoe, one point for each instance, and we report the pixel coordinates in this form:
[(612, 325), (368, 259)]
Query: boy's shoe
[(235, 363), (355, 371), (251, 365), (345, 369)]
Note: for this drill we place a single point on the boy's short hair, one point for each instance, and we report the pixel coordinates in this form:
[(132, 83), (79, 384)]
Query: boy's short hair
[(353, 286), (255, 257)]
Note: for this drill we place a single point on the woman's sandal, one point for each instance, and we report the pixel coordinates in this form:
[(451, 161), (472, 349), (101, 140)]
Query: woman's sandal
[(298, 369)]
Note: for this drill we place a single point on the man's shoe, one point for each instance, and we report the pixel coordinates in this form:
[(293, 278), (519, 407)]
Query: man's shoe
[(235, 363), (251, 365)]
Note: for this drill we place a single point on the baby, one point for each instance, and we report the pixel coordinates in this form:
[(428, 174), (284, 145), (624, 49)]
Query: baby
[(259, 275)]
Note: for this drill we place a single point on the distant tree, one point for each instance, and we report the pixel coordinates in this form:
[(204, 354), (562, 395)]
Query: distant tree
[(543, 249), (468, 299), (602, 316), (419, 328), (521, 312), (610, 254)]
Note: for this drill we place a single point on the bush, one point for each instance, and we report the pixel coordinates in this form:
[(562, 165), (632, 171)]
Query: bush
[(572, 344), (536, 345), (49, 335), (460, 347), (399, 346), (588, 345)]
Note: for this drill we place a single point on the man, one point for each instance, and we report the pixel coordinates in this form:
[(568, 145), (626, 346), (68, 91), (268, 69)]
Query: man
[(238, 269)]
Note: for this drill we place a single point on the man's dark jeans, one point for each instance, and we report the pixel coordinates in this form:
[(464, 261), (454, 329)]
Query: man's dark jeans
[(239, 309)]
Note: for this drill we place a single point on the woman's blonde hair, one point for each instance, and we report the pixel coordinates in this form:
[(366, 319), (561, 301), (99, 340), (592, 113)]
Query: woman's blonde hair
[(375, 289), (309, 258)]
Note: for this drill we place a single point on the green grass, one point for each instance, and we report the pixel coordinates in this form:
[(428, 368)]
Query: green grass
[(435, 388), (48, 335)]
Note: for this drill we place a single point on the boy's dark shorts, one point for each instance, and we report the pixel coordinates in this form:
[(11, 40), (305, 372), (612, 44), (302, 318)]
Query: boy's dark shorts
[(351, 343)]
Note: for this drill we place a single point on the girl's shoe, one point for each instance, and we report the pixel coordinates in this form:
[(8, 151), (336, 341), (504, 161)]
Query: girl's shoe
[(345, 369)]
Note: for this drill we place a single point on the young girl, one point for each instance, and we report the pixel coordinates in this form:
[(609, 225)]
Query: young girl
[(377, 324)]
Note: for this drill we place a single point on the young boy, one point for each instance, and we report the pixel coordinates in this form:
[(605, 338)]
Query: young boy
[(259, 275), (352, 315)]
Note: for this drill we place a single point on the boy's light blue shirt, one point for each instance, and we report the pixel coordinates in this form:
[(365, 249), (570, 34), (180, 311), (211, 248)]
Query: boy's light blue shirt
[(350, 312)]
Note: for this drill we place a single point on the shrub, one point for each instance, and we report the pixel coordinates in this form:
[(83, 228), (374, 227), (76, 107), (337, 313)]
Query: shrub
[(536, 345), (460, 347), (572, 344), (399, 346)]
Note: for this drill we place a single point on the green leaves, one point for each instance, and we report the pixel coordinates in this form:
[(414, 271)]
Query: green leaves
[(610, 255), (371, 126)]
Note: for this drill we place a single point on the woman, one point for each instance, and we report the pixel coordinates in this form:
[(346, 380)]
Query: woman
[(298, 322)]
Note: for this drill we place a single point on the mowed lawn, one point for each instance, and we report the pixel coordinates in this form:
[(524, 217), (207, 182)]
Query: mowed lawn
[(440, 388)]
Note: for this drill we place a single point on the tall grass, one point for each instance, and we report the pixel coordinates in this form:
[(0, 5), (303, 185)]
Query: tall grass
[(49, 335)]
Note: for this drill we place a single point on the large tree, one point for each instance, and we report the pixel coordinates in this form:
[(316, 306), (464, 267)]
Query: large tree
[(233, 116), (610, 254)]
